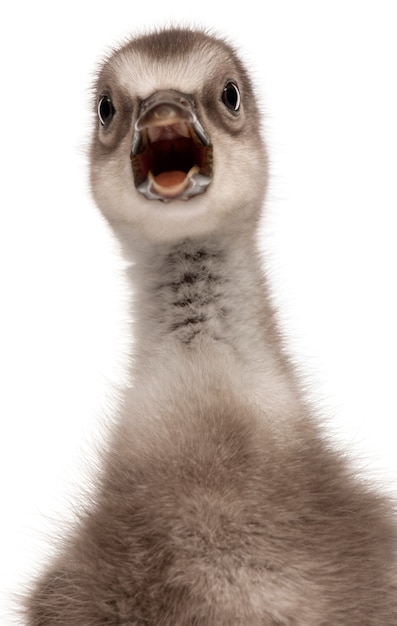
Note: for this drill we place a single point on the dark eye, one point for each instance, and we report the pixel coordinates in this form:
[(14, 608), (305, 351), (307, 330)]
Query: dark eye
[(106, 110), (231, 96)]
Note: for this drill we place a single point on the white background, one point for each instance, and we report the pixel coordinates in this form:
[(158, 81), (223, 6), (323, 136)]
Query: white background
[(326, 75)]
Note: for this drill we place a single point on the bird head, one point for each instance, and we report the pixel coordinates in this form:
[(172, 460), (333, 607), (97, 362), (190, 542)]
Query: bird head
[(176, 150)]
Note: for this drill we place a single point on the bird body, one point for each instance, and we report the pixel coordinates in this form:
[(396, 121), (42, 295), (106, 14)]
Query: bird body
[(219, 502)]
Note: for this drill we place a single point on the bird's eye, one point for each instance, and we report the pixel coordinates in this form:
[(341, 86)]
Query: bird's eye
[(106, 110), (231, 96)]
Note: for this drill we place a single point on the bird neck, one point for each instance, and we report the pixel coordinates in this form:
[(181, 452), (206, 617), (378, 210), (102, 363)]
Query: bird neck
[(204, 297)]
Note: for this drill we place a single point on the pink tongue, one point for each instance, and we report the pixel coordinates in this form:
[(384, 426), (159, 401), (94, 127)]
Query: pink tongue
[(169, 179)]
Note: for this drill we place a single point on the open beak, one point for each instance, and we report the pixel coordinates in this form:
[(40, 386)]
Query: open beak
[(171, 154)]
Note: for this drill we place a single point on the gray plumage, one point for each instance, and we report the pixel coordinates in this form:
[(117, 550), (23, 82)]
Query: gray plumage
[(219, 501)]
